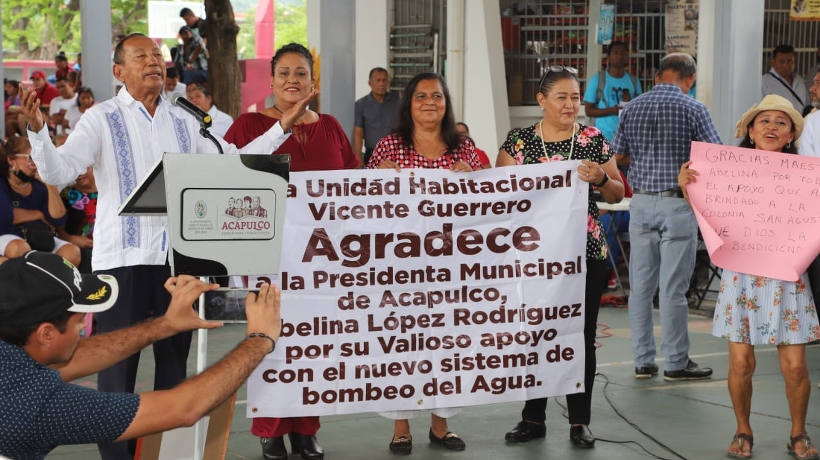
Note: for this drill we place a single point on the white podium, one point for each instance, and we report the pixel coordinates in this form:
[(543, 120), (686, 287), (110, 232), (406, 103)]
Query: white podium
[(225, 212)]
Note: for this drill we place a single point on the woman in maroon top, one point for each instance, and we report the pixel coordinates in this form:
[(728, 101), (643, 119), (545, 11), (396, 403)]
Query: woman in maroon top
[(317, 142), (425, 136)]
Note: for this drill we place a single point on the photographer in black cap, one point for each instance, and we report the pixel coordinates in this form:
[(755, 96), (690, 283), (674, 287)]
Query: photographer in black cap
[(43, 299)]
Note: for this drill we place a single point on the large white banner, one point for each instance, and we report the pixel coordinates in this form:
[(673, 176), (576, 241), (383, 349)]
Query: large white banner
[(426, 289)]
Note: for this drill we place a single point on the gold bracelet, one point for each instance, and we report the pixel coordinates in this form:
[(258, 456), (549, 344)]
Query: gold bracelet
[(264, 336)]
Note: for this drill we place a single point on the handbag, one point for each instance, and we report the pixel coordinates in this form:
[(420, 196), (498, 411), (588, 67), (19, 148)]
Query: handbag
[(38, 235)]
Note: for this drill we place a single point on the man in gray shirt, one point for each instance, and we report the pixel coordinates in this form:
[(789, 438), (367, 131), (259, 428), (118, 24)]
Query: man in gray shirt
[(375, 114)]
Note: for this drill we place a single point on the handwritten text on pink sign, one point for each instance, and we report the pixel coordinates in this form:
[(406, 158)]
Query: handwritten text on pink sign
[(758, 211)]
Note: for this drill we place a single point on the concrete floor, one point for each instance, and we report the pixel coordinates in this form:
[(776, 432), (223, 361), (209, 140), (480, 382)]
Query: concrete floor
[(694, 420)]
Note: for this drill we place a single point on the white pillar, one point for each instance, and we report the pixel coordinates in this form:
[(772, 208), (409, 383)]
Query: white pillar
[(372, 41), (486, 110), (455, 55), (337, 40), (730, 37), (95, 19)]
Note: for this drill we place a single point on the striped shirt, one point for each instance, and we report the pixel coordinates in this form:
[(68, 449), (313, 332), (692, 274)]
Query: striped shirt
[(657, 129)]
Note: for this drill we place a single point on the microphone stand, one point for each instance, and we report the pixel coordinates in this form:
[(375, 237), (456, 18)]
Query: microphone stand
[(203, 129)]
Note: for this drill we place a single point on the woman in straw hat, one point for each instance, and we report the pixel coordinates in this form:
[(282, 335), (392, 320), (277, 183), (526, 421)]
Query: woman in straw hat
[(753, 310)]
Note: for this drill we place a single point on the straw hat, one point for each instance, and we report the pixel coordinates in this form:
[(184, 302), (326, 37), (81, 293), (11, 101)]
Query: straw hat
[(770, 102)]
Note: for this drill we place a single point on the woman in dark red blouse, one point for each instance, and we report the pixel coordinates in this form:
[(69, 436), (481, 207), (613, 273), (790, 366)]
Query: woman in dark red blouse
[(317, 142)]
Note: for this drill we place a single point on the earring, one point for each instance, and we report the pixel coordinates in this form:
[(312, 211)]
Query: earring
[(752, 141), (788, 144), (271, 86)]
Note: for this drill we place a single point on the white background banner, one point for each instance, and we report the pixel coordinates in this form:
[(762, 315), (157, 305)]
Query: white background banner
[(426, 289)]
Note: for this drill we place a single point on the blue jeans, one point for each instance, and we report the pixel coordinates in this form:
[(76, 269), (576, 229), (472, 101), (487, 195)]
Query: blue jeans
[(663, 239), (194, 76)]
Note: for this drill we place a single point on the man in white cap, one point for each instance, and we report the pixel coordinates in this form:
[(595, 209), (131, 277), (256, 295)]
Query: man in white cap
[(43, 299)]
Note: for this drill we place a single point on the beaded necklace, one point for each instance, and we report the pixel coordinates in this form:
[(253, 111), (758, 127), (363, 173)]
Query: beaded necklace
[(544, 145)]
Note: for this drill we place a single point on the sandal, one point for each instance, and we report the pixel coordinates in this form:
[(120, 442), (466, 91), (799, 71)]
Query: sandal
[(804, 438), (740, 439)]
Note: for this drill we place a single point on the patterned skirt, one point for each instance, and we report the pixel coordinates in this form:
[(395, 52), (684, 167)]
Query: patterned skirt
[(758, 310)]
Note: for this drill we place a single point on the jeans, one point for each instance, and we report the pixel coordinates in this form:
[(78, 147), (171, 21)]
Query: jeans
[(663, 238)]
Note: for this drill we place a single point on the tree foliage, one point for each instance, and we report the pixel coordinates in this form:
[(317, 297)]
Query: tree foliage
[(291, 23), (246, 40), (38, 29)]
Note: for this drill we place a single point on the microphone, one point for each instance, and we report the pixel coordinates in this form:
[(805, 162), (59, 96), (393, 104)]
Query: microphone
[(178, 100)]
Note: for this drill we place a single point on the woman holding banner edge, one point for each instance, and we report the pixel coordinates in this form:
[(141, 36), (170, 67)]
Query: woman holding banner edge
[(425, 136), (558, 137), (748, 304), (317, 143)]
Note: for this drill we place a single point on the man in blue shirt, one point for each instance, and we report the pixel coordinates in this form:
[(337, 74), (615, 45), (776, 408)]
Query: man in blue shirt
[(656, 131), (43, 301), (619, 88)]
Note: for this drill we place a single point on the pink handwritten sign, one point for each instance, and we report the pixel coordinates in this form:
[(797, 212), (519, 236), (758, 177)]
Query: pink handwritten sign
[(758, 211)]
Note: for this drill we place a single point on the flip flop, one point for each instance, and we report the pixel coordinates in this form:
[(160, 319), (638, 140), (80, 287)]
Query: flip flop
[(740, 439), (802, 437)]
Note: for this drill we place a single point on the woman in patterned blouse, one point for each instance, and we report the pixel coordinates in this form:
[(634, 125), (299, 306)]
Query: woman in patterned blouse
[(425, 136), (558, 137)]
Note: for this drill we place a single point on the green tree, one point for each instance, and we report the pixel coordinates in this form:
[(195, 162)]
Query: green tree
[(246, 40), (37, 29), (291, 23)]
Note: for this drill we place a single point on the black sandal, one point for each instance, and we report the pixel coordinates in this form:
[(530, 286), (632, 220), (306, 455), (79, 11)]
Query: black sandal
[(740, 439), (802, 437)]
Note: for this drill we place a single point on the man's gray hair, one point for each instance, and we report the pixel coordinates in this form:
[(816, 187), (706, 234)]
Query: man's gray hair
[(681, 63)]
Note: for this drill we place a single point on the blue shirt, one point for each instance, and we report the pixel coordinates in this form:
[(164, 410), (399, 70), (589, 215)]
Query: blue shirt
[(657, 130), (38, 411), (612, 93), (37, 200)]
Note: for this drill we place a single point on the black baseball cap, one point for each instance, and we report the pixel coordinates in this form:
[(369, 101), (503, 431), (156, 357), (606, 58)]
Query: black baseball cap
[(41, 285)]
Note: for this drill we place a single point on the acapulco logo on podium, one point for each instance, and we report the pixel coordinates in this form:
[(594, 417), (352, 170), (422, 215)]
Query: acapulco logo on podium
[(241, 214)]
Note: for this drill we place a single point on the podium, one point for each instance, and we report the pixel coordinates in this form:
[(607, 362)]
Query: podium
[(226, 215), (225, 212)]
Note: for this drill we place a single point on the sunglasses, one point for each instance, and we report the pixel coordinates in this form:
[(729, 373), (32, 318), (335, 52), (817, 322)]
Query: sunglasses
[(557, 69)]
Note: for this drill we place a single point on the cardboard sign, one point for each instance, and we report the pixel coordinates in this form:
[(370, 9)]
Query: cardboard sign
[(758, 211)]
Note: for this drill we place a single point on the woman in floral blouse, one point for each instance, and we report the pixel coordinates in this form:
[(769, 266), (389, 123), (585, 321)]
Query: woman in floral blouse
[(753, 310), (558, 137)]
